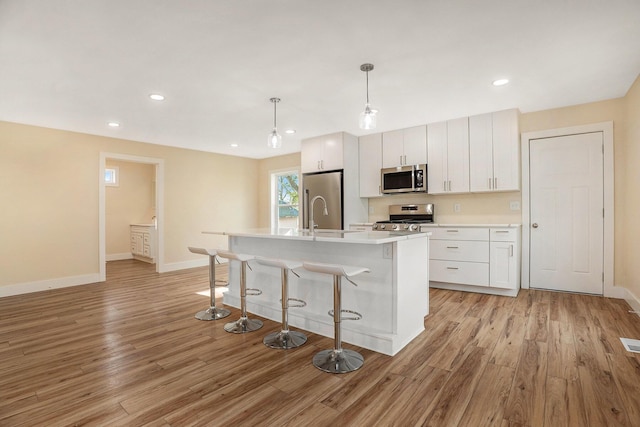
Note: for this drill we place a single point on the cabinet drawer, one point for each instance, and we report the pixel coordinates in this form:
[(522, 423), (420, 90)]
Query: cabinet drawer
[(503, 234), (146, 251), (464, 273), (146, 238), (459, 250), (459, 233)]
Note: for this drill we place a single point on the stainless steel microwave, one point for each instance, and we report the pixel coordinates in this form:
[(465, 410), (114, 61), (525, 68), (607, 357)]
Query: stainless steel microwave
[(404, 179)]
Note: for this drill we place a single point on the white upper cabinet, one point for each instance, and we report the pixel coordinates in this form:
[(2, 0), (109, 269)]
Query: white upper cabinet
[(322, 153), (404, 147), (448, 153), (494, 151), (370, 159)]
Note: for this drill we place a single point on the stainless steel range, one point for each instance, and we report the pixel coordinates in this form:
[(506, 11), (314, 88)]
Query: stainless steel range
[(406, 218)]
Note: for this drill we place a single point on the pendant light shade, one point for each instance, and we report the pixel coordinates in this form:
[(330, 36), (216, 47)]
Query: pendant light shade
[(368, 119), (274, 140)]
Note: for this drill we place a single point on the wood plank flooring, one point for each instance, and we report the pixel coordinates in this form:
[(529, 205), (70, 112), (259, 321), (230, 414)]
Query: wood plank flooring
[(129, 352)]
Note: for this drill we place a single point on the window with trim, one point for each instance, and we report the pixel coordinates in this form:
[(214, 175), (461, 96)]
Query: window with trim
[(111, 175), (285, 207)]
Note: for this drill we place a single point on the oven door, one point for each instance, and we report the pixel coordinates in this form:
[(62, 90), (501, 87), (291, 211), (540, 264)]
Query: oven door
[(399, 179)]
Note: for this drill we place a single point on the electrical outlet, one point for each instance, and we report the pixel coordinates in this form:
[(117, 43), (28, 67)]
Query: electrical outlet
[(456, 207), (514, 206), (387, 251)]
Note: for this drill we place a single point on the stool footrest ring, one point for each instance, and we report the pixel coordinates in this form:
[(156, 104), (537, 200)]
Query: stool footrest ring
[(253, 291), (301, 303), (356, 315)]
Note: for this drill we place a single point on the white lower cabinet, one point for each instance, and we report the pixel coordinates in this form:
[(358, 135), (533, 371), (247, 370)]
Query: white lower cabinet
[(143, 239), (483, 257)]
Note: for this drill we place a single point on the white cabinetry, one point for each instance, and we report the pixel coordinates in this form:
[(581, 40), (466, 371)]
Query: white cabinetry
[(370, 159), (479, 258), (494, 151), (404, 147), (143, 242), (448, 151), (322, 153)]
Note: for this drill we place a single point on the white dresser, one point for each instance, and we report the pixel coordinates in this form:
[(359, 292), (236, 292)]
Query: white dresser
[(143, 242), (475, 258)]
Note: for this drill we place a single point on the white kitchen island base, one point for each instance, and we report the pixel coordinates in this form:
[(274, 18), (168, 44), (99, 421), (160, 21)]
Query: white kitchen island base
[(393, 298)]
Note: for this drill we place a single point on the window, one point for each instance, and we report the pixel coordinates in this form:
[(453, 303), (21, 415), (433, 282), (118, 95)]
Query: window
[(284, 199), (111, 176)]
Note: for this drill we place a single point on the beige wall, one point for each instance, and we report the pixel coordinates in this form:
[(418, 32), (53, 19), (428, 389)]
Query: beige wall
[(49, 182), (128, 203), (265, 168), (629, 201)]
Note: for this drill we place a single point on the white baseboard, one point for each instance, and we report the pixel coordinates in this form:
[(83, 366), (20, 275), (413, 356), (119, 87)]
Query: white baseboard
[(44, 285), (633, 301), (183, 265), (118, 257)]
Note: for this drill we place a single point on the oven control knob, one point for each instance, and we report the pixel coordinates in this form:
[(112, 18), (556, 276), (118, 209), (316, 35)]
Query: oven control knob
[(381, 226), (405, 226), (395, 227), (413, 227)]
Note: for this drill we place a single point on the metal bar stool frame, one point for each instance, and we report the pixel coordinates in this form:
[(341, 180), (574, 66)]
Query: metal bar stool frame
[(285, 338), (211, 313), (243, 324), (338, 360)]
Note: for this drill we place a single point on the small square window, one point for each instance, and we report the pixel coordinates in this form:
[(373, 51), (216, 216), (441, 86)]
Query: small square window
[(111, 176)]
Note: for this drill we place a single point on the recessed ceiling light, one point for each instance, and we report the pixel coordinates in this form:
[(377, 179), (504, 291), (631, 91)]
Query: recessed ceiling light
[(500, 82), (156, 97), (234, 145), (113, 124), (290, 131)]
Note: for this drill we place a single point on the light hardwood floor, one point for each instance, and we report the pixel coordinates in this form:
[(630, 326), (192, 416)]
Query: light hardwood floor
[(129, 352)]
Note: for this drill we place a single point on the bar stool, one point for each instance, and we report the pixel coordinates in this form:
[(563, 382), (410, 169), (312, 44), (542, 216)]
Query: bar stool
[(284, 339), (243, 324), (211, 313), (338, 360)]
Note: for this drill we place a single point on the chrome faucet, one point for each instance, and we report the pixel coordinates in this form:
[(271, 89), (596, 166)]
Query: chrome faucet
[(313, 226)]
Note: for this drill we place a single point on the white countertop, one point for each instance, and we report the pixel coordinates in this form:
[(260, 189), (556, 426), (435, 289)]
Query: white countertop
[(335, 236), (474, 225)]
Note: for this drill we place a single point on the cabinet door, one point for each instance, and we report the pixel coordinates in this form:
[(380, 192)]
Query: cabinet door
[(481, 152), (502, 265), (506, 150), (311, 155), (415, 145), (458, 155), (437, 155), (370, 159), (332, 152), (393, 149)]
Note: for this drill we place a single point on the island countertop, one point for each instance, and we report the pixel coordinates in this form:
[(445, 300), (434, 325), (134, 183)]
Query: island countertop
[(334, 236)]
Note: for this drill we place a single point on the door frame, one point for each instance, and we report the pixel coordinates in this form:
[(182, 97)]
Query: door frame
[(609, 289), (102, 242)]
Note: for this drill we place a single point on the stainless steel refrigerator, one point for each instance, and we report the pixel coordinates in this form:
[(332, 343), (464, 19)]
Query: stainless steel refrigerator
[(329, 186)]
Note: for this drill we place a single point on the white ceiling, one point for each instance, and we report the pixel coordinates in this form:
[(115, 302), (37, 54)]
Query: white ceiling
[(78, 64)]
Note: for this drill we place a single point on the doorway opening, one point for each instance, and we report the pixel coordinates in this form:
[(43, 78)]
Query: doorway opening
[(155, 193)]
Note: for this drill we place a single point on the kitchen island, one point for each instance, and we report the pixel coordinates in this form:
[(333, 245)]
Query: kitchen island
[(393, 297)]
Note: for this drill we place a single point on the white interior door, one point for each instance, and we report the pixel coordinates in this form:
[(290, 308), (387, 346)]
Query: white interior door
[(566, 213)]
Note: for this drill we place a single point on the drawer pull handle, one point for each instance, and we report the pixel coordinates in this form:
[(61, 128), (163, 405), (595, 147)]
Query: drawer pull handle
[(501, 231), (452, 247), (452, 231), (452, 268)]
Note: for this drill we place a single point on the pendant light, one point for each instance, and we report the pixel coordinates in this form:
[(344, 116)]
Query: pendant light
[(368, 116), (274, 140)]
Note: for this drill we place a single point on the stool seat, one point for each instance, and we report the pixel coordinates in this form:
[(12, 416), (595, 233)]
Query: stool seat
[(279, 263), (285, 339), (243, 324), (203, 251), (235, 256), (335, 269), (337, 360), (212, 313)]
